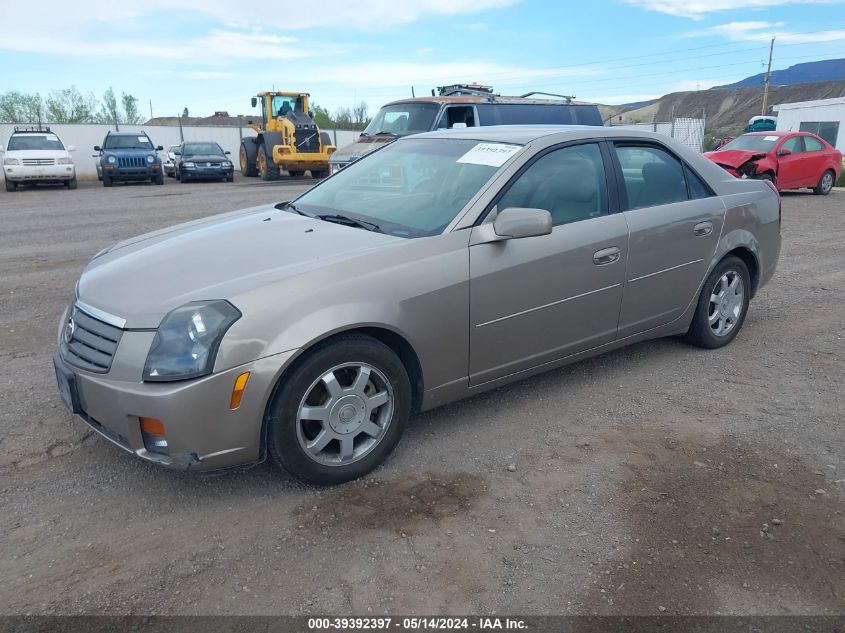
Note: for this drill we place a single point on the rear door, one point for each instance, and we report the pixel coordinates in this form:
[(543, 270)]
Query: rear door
[(538, 299), (675, 221)]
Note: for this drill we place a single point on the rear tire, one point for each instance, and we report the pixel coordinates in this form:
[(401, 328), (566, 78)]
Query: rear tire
[(825, 183), (355, 364), (318, 174), (11, 186), (247, 156), (722, 305), (71, 184)]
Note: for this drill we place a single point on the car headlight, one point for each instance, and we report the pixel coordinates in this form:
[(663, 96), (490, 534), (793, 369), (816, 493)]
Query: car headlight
[(186, 342), (188, 164), (226, 163), (111, 160), (11, 161), (67, 160), (151, 159)]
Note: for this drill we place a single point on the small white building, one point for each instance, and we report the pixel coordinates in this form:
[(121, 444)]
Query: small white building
[(825, 117)]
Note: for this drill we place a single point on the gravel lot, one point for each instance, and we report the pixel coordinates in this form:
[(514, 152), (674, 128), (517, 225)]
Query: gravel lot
[(656, 479)]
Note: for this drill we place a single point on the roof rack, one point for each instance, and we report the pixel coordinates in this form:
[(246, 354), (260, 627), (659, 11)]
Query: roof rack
[(457, 90), (568, 98), (31, 128)]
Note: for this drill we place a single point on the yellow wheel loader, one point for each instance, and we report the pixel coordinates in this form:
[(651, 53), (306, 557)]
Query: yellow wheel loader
[(288, 139)]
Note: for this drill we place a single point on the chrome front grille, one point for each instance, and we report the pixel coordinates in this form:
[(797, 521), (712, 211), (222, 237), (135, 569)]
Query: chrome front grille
[(33, 162), (88, 342), (132, 161)]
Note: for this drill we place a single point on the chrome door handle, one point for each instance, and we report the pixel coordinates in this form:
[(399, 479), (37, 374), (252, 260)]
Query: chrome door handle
[(606, 256), (702, 229)]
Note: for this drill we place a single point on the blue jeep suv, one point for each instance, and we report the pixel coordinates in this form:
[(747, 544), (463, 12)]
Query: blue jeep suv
[(128, 156)]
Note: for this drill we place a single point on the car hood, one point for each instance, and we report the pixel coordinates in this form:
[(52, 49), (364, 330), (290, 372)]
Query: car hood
[(361, 148), (734, 157), (142, 279), (204, 158), (36, 153)]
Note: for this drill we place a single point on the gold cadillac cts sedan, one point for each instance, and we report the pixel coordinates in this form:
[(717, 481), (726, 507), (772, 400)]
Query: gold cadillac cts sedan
[(442, 265)]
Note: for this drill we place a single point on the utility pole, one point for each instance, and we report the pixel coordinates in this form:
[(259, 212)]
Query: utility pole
[(768, 79)]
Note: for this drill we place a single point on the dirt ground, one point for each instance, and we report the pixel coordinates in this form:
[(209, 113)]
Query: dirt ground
[(656, 479)]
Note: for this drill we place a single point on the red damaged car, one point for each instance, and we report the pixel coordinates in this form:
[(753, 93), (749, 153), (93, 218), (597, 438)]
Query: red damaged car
[(791, 160)]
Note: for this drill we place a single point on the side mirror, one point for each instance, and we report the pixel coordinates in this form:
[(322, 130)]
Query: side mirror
[(97, 148), (784, 151), (177, 152), (254, 102), (159, 148), (227, 152), (71, 148), (516, 222)]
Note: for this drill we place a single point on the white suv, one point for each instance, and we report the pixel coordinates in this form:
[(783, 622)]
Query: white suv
[(37, 155)]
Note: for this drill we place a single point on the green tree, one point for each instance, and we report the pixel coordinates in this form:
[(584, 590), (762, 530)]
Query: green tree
[(69, 105), (130, 109), (109, 111), (19, 107), (321, 116), (343, 119), (360, 115)]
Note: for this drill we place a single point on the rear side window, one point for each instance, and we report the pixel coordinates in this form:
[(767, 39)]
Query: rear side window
[(812, 144), (569, 183), (654, 177), (535, 114), (697, 188)]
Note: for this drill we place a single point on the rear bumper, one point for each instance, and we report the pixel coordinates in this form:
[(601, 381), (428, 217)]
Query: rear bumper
[(202, 432), (36, 173)]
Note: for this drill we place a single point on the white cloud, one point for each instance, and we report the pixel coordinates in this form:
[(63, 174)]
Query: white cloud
[(697, 9), (758, 31)]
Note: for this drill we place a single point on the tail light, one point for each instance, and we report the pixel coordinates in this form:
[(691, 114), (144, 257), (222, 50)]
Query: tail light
[(780, 204)]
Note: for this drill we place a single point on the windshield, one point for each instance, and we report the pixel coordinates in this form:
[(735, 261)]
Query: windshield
[(35, 141), (194, 149), (411, 188), (752, 143), (127, 142), (404, 119)]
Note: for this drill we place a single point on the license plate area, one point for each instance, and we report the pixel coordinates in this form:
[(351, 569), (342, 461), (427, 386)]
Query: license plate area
[(66, 382)]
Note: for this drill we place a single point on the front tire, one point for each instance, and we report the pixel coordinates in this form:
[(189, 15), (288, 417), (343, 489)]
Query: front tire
[(825, 183), (267, 169), (71, 184), (247, 157), (722, 305), (339, 411), (107, 181), (159, 179), (11, 186)]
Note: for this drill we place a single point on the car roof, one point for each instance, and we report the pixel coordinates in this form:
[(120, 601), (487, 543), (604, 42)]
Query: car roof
[(769, 133), (113, 133), (523, 134), (496, 99)]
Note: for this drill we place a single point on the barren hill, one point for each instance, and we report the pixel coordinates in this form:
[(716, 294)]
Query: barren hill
[(725, 108)]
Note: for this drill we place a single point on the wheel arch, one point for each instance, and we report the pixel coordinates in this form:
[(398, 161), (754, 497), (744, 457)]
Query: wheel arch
[(398, 343), (750, 260)]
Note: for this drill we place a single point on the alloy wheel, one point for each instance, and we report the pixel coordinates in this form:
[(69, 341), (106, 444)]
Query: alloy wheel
[(727, 299)]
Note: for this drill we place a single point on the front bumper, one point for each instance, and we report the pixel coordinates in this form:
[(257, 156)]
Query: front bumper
[(202, 432), (206, 173), (131, 173), (38, 173)]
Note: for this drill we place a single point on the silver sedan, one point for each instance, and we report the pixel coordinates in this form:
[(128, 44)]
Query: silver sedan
[(440, 266)]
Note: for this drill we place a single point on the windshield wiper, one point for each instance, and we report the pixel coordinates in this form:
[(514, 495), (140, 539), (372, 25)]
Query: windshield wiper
[(284, 206), (347, 221), (384, 133)]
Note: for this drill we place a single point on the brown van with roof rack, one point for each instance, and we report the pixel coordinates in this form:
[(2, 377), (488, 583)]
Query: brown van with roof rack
[(463, 105)]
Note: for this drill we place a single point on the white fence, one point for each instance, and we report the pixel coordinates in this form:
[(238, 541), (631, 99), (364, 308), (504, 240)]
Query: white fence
[(85, 136), (688, 131)]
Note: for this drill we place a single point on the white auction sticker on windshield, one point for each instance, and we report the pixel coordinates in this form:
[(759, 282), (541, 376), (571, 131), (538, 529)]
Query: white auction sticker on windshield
[(770, 138), (143, 139), (492, 154)]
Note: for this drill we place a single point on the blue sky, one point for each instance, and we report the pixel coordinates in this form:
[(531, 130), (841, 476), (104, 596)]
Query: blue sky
[(212, 55)]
